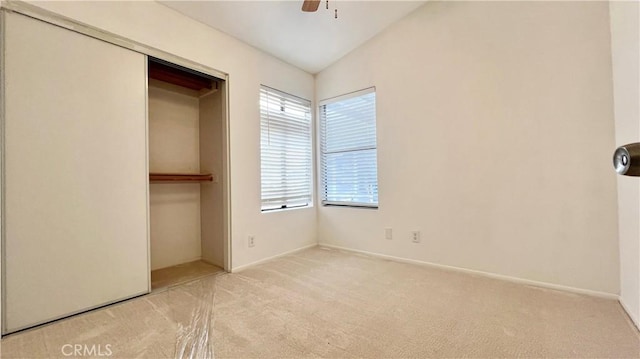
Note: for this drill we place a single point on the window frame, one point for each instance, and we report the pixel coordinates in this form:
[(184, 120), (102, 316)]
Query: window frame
[(321, 154)]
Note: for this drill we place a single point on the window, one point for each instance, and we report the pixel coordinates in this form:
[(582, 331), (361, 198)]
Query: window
[(285, 150), (349, 156)]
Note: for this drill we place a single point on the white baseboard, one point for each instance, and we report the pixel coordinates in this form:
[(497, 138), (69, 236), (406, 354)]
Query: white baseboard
[(481, 273), (632, 316), (245, 266)]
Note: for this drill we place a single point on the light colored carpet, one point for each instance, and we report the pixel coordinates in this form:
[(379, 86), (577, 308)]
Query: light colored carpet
[(332, 304)]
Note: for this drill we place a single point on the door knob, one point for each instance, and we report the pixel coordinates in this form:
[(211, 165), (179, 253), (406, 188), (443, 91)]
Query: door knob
[(626, 159)]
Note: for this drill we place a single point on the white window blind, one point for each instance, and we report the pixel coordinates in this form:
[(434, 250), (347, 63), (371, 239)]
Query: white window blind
[(285, 150), (349, 153)]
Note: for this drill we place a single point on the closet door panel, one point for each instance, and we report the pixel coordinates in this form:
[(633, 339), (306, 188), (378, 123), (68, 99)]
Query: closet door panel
[(76, 181)]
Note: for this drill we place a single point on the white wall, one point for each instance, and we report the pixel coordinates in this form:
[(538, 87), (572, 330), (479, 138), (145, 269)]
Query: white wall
[(495, 136), (174, 128), (174, 147), (625, 50), (158, 26)]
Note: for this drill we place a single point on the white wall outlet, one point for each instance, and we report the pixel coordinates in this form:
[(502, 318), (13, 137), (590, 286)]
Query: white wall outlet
[(388, 233), (251, 241), (415, 236)]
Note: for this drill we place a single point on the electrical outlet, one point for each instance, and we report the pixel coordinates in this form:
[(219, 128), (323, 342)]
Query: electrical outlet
[(415, 236), (388, 233), (251, 241)]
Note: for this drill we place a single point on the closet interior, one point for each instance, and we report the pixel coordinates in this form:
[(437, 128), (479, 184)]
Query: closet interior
[(186, 111)]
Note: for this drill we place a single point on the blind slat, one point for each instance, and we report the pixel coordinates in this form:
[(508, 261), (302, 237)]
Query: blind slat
[(285, 150), (349, 167)]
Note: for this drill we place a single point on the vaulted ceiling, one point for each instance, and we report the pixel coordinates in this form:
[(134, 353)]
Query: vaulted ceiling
[(310, 41)]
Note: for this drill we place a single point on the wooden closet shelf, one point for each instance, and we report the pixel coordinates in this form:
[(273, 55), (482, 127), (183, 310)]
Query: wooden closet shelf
[(173, 75), (180, 177)]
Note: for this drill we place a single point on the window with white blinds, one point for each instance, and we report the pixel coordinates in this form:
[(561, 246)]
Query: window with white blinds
[(285, 150), (349, 155)]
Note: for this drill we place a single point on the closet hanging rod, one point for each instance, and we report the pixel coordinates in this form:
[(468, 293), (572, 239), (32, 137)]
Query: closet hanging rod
[(180, 177)]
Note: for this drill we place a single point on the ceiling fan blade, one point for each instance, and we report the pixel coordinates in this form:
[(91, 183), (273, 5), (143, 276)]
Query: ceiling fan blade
[(310, 5)]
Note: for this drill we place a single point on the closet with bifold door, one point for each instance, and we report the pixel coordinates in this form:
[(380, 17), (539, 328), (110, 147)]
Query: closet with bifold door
[(185, 162)]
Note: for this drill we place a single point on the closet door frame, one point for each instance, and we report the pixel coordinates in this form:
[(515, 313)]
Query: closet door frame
[(81, 28), (2, 172)]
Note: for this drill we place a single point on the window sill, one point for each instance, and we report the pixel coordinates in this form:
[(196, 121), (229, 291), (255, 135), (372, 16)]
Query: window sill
[(279, 210), (349, 205)]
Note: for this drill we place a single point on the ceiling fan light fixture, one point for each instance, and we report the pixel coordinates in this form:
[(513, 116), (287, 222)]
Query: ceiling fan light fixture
[(312, 6)]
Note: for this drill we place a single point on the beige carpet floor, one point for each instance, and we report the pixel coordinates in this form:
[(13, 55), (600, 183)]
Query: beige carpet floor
[(333, 304)]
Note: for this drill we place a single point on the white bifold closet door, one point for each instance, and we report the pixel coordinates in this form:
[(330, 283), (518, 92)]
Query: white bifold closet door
[(75, 190)]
